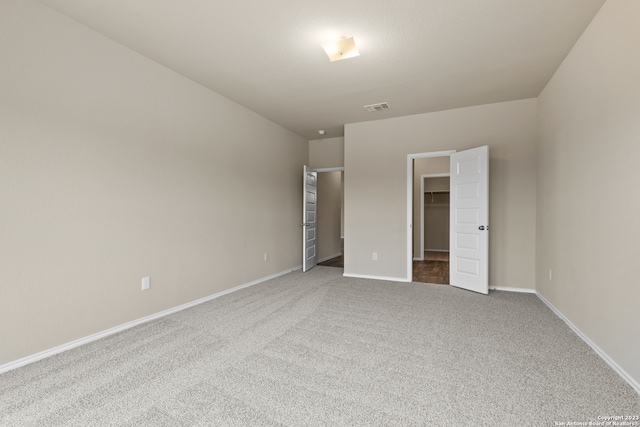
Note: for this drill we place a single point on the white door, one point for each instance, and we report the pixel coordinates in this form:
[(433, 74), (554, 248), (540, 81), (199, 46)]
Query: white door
[(469, 220), (309, 211)]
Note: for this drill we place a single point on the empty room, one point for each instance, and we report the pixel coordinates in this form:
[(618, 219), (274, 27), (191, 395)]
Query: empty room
[(173, 173)]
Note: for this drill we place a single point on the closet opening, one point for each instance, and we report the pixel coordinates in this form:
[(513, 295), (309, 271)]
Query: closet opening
[(432, 263)]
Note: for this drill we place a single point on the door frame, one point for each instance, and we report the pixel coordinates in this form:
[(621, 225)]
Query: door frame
[(334, 169), (422, 178), (410, 159), (318, 171)]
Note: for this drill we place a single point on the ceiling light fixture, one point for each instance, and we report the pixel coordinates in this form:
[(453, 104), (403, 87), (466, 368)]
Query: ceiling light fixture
[(322, 131), (341, 49)]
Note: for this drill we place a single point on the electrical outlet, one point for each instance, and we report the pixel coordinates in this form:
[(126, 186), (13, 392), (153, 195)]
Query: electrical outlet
[(374, 256), (266, 256), (145, 283)]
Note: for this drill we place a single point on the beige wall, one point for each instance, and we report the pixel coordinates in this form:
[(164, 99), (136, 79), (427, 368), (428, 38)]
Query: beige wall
[(436, 215), (329, 153), (376, 165), (113, 168), (588, 177), (437, 183), (426, 166), (326, 153), (329, 214)]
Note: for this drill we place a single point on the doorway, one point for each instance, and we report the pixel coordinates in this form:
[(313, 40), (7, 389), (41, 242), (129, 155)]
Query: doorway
[(433, 163), (330, 241), (431, 264), (469, 216)]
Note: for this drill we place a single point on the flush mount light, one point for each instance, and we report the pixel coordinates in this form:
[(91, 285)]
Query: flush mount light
[(321, 131), (341, 49)]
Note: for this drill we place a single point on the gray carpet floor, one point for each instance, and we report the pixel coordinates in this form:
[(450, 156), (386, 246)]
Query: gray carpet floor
[(320, 349)]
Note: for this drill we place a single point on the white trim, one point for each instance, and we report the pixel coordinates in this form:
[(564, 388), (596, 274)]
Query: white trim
[(410, 158), (444, 153), (604, 356), (99, 335), (366, 276), (334, 169), (320, 170), (418, 258), (329, 257), (421, 258), (507, 289)]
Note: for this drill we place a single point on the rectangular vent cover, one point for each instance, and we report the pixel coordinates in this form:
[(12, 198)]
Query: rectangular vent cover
[(377, 107)]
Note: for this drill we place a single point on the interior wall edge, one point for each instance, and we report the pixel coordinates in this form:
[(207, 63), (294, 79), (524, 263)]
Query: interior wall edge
[(603, 355)]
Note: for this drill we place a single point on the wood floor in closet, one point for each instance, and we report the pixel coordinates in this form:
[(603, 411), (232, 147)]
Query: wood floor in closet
[(434, 269)]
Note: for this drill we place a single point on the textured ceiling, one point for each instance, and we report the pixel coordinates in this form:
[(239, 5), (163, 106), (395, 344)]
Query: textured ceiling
[(417, 55)]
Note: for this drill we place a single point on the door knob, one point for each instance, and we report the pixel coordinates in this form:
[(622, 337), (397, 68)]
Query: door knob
[(481, 228)]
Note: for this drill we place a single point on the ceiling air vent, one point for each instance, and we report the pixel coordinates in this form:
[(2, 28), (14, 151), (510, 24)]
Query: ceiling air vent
[(377, 107)]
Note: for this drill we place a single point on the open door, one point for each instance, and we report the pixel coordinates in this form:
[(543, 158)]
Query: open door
[(469, 220), (309, 212)]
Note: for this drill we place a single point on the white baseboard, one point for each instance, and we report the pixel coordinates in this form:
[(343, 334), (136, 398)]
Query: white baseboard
[(604, 356), (418, 259), (329, 257), (99, 335), (389, 279), (94, 337), (507, 289)]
